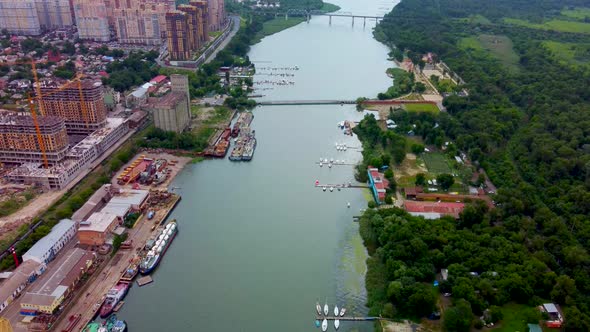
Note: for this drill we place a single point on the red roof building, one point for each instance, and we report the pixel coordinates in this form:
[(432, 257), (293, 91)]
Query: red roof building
[(158, 79)]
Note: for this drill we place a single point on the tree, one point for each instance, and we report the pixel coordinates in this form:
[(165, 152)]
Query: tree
[(417, 148), (419, 87), (445, 181), (420, 179), (458, 318)]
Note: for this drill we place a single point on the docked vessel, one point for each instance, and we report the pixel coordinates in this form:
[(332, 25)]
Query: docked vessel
[(325, 325), (318, 308), (249, 149), (245, 146), (131, 271), (343, 310), (157, 251), (115, 325), (221, 145), (114, 296)]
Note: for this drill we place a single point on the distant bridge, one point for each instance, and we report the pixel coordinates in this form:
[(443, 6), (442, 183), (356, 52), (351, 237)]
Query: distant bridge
[(305, 102), (308, 14)]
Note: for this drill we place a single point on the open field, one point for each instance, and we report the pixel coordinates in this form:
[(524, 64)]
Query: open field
[(426, 107), (578, 13), (569, 53), (514, 318), (498, 46), (557, 25), (436, 162)]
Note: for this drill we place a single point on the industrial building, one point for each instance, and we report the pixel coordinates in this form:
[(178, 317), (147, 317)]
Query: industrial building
[(94, 203), (80, 105), (92, 20), (44, 250), (126, 201), (141, 21), (78, 158), (95, 230), (171, 112), (20, 142), (19, 17), (179, 35), (57, 283), (54, 14), (13, 286)]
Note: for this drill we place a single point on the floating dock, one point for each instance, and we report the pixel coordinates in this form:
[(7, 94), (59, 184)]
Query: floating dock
[(341, 186), (144, 281), (350, 318)]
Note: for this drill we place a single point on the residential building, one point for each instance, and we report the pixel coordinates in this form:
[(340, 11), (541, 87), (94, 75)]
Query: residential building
[(19, 17), (378, 184), (44, 250), (203, 10), (95, 230), (19, 279), (216, 10), (54, 14), (194, 21), (141, 21), (19, 140), (178, 35), (51, 289), (80, 105), (92, 20)]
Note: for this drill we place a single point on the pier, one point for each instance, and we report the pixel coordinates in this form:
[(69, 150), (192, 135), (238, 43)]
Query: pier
[(341, 186), (306, 102), (349, 318)]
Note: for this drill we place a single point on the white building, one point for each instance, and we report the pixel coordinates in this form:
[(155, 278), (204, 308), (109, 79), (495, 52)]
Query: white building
[(45, 249), (18, 280)]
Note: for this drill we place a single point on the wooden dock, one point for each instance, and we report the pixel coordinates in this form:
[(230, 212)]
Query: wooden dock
[(350, 318), (340, 186)]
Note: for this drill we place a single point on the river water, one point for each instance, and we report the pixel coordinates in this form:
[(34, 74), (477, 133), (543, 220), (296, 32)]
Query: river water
[(258, 244)]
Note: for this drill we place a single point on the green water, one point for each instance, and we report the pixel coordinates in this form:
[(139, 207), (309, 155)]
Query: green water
[(258, 245)]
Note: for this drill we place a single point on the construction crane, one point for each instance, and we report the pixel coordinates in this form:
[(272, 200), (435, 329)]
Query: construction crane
[(33, 64), (77, 79), (38, 131)]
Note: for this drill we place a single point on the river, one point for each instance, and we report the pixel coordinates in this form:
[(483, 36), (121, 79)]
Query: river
[(258, 244)]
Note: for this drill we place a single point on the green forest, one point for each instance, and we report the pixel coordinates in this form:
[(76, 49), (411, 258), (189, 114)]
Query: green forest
[(526, 121)]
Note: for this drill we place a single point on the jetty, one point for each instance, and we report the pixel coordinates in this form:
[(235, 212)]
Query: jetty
[(341, 186), (144, 281), (350, 318)]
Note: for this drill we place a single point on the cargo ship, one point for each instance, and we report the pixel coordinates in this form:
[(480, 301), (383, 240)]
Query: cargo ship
[(249, 148), (244, 120), (221, 146), (154, 255), (131, 271), (114, 296), (245, 145), (112, 324)]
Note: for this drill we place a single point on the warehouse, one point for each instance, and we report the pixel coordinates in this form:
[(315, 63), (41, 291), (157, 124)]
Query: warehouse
[(44, 250), (96, 229)]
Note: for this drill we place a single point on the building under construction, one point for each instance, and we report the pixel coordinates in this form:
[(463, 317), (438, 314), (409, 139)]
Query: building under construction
[(20, 142), (80, 104)]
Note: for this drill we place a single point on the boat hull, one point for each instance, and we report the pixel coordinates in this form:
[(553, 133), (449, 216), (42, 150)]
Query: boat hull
[(106, 310), (148, 270)]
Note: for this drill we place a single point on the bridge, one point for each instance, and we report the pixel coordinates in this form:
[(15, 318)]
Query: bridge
[(306, 102), (308, 14)]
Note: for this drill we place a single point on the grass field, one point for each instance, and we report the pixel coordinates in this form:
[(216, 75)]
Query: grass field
[(436, 163), (498, 46), (578, 13), (569, 53), (557, 25), (514, 318), (426, 107), (276, 25)]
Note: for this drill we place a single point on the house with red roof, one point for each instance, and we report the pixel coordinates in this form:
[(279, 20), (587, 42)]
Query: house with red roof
[(378, 184)]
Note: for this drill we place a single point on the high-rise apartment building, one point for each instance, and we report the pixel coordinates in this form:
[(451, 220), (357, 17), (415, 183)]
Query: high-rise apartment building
[(66, 103), (54, 14), (194, 22), (178, 35), (19, 142), (92, 20), (216, 10), (141, 21), (203, 11), (19, 17)]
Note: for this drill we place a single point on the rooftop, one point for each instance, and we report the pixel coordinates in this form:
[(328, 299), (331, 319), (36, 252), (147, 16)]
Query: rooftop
[(170, 100), (55, 282), (446, 208), (19, 119), (19, 276), (47, 242), (98, 222), (158, 79), (95, 201)]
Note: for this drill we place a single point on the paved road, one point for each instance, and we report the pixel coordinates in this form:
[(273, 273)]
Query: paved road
[(228, 38)]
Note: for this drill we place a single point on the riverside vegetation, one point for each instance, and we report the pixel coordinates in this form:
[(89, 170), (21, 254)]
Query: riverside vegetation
[(526, 121)]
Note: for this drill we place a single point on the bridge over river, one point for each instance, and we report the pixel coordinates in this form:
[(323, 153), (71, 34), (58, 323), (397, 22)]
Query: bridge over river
[(307, 102)]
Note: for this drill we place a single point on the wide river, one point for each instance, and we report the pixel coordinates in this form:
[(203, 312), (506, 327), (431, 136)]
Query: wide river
[(258, 243)]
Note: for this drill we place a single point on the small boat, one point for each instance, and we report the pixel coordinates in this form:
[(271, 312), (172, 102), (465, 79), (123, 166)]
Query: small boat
[(326, 308), (324, 188), (342, 312), (331, 160), (330, 165), (318, 307), (325, 325), (325, 160), (336, 311), (336, 324), (348, 205), (331, 189), (321, 164), (318, 323)]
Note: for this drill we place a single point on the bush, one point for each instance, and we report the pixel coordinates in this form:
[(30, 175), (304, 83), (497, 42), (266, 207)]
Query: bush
[(388, 199), (371, 205)]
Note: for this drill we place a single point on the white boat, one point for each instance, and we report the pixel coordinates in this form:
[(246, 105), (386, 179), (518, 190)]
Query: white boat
[(331, 189), (326, 309), (330, 165), (321, 164), (325, 325), (348, 205), (331, 160), (325, 160), (318, 307), (324, 188), (336, 324), (342, 312), (336, 310)]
